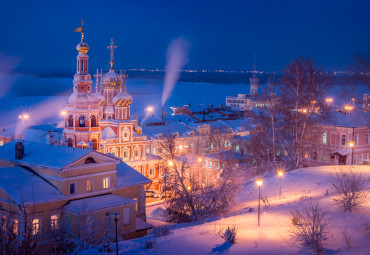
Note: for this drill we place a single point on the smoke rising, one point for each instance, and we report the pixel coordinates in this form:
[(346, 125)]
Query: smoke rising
[(7, 78), (177, 57)]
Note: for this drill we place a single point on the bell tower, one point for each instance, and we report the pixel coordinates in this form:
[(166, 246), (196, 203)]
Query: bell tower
[(82, 110)]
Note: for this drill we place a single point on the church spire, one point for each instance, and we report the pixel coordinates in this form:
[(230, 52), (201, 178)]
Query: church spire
[(111, 48)]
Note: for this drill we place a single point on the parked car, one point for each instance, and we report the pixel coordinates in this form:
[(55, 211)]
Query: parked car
[(151, 193)]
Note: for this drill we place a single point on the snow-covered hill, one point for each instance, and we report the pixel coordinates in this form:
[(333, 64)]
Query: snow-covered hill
[(273, 236)]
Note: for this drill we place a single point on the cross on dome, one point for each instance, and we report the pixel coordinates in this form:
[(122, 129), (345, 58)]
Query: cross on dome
[(111, 48)]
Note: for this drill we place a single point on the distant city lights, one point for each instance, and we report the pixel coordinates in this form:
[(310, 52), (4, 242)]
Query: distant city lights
[(329, 100), (348, 107)]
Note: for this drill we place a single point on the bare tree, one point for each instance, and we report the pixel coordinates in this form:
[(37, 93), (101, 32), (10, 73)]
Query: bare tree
[(302, 106), (310, 227), (350, 188), (189, 199)]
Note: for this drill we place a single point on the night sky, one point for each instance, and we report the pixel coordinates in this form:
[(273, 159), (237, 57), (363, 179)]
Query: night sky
[(223, 34)]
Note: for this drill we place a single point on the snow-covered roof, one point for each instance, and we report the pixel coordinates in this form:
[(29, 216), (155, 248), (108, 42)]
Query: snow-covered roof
[(96, 203), (127, 176), (150, 156), (354, 118), (108, 133), (43, 154), (24, 185), (169, 128)]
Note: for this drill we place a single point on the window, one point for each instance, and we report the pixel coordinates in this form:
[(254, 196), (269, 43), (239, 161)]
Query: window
[(354, 160), (155, 151), (82, 121), (147, 150), (210, 164), (106, 183), (54, 221), (356, 139), (136, 204), (343, 139), (15, 226), (3, 223), (125, 154), (211, 145), (126, 216), (89, 185), (237, 147), (2, 143), (360, 159), (323, 156), (89, 160), (35, 226), (306, 154), (94, 122), (72, 188), (314, 155), (67, 220), (324, 138)]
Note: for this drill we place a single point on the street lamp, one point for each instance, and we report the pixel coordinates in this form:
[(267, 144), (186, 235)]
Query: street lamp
[(259, 183), (352, 145), (149, 109), (199, 159), (63, 113), (170, 163), (115, 217), (280, 174), (24, 117)]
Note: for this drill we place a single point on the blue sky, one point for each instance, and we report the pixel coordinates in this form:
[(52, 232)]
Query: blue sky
[(223, 34)]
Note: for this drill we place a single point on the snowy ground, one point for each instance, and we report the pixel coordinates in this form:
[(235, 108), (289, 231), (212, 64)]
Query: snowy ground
[(273, 236)]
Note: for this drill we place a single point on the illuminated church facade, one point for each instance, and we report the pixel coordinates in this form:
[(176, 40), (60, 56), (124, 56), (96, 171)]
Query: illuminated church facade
[(100, 118)]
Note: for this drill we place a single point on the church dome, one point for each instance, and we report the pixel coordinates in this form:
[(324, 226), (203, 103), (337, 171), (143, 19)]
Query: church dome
[(82, 47), (122, 99), (111, 79), (100, 98)]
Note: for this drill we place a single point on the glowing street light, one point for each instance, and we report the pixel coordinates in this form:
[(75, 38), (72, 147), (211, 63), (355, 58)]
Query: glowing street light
[(199, 159), (348, 107), (280, 174), (329, 100), (259, 183), (304, 110), (352, 145), (170, 163), (24, 117), (63, 113), (189, 188), (149, 109)]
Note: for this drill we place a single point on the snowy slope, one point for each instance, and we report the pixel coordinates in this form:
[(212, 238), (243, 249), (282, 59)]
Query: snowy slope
[(273, 236)]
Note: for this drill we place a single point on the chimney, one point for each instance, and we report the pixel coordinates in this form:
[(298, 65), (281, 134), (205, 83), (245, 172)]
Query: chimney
[(19, 150)]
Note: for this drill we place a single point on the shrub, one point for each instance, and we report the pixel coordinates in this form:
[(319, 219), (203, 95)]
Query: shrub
[(310, 226), (229, 234), (350, 189), (149, 244), (161, 231)]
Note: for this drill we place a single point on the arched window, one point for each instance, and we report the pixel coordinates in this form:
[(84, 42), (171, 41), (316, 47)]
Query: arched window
[(70, 121), (89, 160), (70, 142), (93, 121), (82, 121), (82, 65), (95, 144)]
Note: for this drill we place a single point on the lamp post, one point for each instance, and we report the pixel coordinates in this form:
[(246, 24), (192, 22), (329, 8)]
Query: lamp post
[(280, 174), (259, 183), (115, 217), (352, 145)]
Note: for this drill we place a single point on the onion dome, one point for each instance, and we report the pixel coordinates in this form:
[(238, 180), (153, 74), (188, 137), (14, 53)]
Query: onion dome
[(111, 80), (100, 98), (82, 47), (122, 99)]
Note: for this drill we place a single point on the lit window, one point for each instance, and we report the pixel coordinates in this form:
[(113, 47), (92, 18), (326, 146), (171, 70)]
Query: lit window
[(136, 153), (237, 147), (3, 223), (125, 154), (356, 139), (54, 222), (324, 138), (106, 183), (147, 150), (155, 151), (306, 154), (35, 226), (89, 185), (2, 143), (210, 164), (15, 227)]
